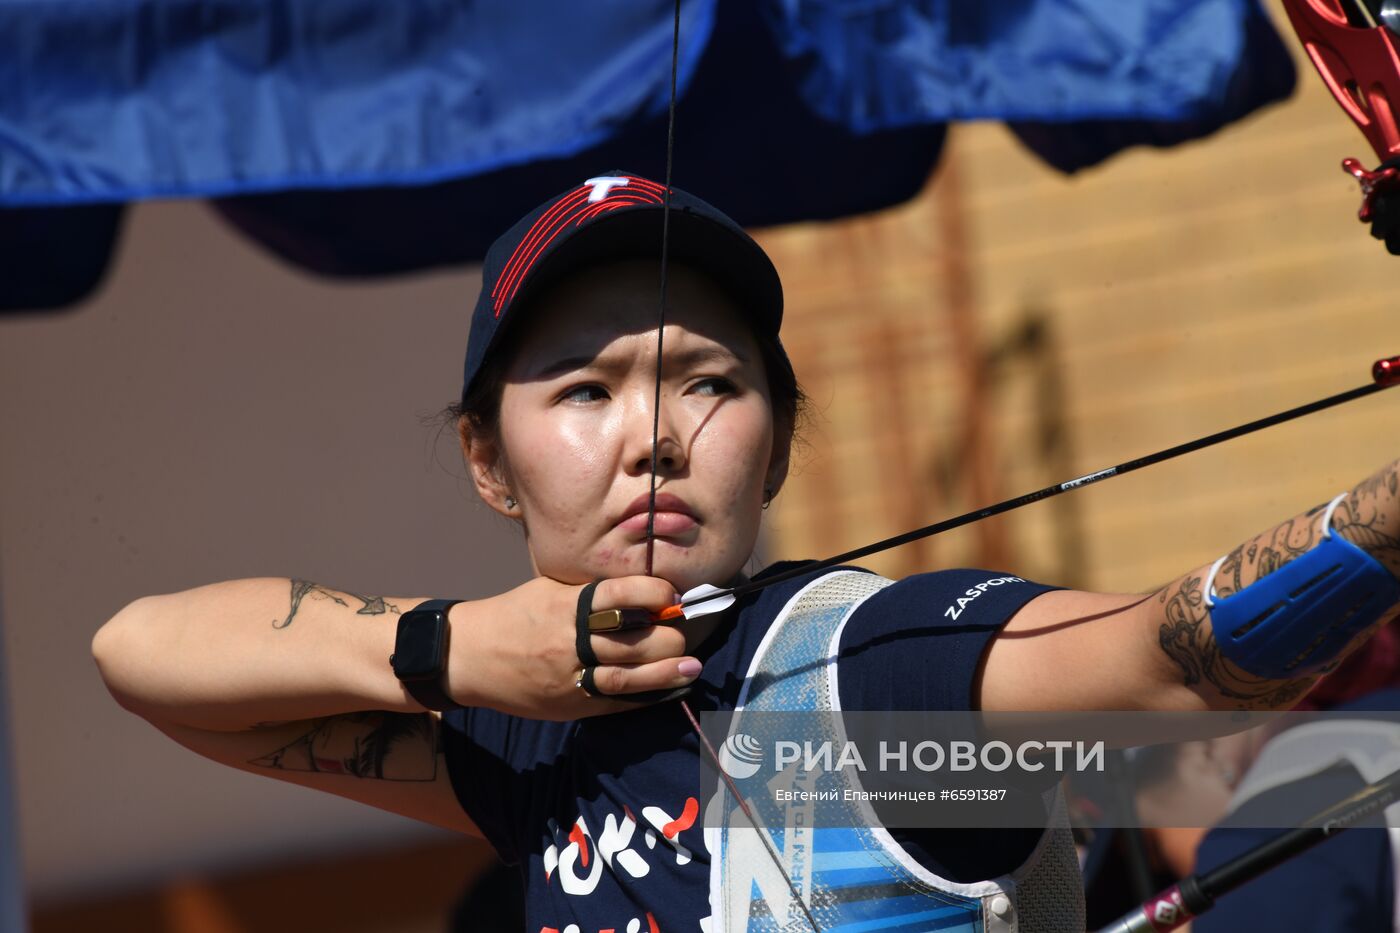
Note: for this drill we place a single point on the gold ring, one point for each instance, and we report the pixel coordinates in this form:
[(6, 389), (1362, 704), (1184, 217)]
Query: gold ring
[(582, 680)]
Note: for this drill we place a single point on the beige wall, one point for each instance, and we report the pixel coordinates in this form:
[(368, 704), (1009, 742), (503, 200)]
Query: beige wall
[(211, 414)]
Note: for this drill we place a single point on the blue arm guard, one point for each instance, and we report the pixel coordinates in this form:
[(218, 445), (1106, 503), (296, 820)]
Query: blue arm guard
[(1300, 617)]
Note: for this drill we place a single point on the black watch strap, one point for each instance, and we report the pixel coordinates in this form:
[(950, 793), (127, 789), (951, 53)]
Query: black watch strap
[(429, 692)]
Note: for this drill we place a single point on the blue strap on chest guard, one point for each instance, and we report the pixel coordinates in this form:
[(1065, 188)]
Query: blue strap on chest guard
[(1300, 617)]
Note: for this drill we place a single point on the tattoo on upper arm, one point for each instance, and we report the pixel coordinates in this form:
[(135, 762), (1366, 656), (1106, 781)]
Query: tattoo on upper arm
[(369, 605), (381, 745)]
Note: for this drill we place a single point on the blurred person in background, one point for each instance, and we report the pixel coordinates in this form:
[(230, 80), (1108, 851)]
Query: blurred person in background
[(1349, 880), (1218, 782)]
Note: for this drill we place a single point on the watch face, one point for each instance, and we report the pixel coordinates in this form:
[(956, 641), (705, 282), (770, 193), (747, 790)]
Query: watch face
[(418, 653)]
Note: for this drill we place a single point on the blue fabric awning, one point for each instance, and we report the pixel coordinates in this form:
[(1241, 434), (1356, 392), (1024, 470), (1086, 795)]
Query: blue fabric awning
[(191, 98), (359, 137), (115, 101)]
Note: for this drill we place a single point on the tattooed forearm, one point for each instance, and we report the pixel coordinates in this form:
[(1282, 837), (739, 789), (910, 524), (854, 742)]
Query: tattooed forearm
[(382, 745), (1367, 517), (369, 605), (1269, 551), (1186, 638)]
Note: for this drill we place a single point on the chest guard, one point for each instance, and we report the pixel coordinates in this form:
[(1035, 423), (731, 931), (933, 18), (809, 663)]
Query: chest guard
[(850, 871)]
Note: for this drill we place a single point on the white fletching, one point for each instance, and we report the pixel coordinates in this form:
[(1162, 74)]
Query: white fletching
[(705, 606)]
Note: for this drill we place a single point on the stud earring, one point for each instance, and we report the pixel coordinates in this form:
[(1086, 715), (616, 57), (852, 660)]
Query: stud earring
[(511, 503)]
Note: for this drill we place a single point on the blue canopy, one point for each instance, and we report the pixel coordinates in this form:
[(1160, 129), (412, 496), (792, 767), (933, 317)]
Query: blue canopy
[(362, 137)]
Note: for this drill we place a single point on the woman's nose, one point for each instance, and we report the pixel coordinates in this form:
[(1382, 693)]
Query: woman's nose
[(649, 422)]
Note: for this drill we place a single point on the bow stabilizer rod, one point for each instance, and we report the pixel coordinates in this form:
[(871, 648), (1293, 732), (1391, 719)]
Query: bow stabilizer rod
[(1384, 374)]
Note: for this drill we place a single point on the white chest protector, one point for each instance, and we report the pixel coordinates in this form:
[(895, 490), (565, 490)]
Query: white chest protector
[(852, 874)]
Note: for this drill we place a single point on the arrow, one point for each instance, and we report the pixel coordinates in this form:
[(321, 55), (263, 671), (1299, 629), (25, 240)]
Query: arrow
[(1384, 374), (700, 601)]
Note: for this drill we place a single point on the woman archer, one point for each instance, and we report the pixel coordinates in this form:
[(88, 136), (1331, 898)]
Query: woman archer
[(501, 718)]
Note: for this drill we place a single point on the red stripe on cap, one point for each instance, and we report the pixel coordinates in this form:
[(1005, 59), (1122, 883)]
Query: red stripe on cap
[(565, 213), (548, 217), (577, 218), (515, 287), (541, 233), (610, 204), (537, 229), (543, 219), (525, 269)]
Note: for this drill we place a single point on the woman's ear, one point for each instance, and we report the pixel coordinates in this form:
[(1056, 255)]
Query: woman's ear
[(778, 463), (482, 454)]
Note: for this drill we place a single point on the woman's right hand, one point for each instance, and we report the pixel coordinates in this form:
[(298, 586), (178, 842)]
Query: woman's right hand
[(516, 652)]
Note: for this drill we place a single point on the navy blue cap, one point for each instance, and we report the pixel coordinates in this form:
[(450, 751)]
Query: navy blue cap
[(617, 215)]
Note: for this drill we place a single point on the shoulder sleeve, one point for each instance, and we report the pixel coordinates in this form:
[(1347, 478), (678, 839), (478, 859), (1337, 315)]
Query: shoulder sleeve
[(476, 744), (917, 644)]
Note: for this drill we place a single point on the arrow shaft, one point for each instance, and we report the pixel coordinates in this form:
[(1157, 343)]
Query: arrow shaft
[(1056, 489)]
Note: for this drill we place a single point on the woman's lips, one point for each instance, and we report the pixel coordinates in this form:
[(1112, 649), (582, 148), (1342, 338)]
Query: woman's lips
[(673, 516), (665, 525)]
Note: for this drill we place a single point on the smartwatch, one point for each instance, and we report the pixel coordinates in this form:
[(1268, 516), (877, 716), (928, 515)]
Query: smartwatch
[(420, 653)]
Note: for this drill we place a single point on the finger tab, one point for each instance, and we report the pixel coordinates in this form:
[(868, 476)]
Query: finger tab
[(605, 620)]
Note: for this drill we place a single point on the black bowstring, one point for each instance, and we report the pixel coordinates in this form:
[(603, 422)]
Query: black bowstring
[(665, 253), (655, 449)]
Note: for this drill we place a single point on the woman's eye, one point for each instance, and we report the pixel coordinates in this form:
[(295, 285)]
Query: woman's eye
[(585, 393), (716, 385)]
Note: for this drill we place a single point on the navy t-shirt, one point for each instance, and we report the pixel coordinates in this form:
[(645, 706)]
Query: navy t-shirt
[(602, 815)]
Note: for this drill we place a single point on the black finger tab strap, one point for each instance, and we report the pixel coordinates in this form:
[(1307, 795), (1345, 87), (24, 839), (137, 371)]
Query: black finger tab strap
[(583, 645), (582, 637), (587, 683)]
